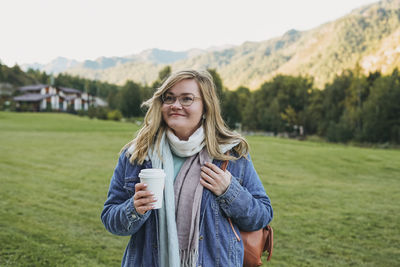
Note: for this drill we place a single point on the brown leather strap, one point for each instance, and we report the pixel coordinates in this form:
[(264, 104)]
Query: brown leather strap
[(270, 242), (224, 165), (233, 229)]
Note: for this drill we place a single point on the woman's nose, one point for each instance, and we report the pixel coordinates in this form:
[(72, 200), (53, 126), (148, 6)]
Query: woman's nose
[(176, 104)]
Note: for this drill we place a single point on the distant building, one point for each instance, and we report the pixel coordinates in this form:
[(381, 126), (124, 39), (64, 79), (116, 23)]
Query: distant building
[(41, 97), (6, 89)]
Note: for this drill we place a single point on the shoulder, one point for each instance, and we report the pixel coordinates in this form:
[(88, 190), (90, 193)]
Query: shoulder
[(124, 156), (124, 160), (126, 168), (243, 161), (239, 166), (128, 150), (246, 159)]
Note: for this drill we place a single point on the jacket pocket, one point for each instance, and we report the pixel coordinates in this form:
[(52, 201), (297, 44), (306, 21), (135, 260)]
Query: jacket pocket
[(129, 184)]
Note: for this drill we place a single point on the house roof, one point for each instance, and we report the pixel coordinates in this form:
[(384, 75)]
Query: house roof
[(34, 87), (70, 90), (100, 102), (38, 87), (31, 97)]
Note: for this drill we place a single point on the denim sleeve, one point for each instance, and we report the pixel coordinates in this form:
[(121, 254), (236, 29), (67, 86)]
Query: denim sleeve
[(247, 205), (119, 215)]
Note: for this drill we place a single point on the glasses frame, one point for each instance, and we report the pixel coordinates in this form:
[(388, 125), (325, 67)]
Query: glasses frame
[(179, 97)]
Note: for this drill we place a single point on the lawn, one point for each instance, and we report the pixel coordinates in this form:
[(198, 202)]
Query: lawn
[(334, 205)]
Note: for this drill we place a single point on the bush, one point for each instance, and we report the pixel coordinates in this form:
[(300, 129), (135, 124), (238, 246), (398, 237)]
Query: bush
[(10, 106), (81, 112), (24, 107), (339, 132), (114, 115), (101, 113), (91, 112), (395, 134), (70, 109)]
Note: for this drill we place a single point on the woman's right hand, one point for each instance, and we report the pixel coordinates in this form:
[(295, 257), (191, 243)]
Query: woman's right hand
[(143, 200)]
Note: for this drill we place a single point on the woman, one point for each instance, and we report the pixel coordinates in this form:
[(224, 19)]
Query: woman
[(184, 134)]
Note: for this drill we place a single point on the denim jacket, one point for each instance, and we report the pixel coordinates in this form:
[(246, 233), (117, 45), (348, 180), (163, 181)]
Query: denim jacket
[(245, 202)]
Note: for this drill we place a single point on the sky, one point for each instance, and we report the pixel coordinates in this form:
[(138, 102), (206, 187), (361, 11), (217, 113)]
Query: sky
[(41, 30)]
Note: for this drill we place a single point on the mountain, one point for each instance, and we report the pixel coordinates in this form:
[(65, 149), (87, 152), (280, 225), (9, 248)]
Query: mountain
[(142, 67), (368, 36), (154, 56), (57, 65)]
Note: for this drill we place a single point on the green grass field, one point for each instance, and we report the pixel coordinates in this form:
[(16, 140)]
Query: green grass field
[(334, 205)]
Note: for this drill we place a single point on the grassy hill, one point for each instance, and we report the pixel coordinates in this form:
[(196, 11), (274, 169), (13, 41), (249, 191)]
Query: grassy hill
[(334, 205), (368, 36)]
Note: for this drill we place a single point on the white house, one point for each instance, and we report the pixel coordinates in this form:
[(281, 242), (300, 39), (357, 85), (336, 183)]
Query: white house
[(41, 97)]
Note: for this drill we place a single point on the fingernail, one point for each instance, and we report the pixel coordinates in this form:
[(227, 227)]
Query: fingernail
[(144, 184), (154, 198)]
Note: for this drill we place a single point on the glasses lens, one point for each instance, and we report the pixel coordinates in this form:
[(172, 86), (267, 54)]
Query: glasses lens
[(169, 98), (186, 100)]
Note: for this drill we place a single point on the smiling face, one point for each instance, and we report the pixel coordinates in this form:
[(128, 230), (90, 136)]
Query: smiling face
[(183, 120)]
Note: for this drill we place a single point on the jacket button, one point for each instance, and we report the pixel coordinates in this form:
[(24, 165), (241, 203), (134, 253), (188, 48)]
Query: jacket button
[(133, 216), (201, 237)]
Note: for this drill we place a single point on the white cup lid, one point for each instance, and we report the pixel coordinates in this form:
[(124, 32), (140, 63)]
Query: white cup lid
[(151, 170), (152, 173)]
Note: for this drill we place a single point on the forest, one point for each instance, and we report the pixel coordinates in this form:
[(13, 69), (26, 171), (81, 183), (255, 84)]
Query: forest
[(353, 107)]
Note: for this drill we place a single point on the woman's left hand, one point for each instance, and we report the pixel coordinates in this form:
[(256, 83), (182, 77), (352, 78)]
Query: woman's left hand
[(215, 179)]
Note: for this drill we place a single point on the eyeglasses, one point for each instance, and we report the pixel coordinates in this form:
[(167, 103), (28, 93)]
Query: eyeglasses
[(184, 99)]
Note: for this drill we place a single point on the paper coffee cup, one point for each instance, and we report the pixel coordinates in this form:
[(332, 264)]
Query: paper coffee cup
[(155, 179)]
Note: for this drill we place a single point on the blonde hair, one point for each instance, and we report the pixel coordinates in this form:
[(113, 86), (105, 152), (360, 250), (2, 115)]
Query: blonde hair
[(215, 130)]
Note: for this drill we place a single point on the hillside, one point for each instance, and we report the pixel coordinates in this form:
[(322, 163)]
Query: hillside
[(368, 36)]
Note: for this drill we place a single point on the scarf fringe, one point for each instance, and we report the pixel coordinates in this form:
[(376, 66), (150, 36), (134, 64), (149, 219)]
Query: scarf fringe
[(188, 257)]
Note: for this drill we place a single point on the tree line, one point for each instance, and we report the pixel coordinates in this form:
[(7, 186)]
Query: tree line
[(353, 107)]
